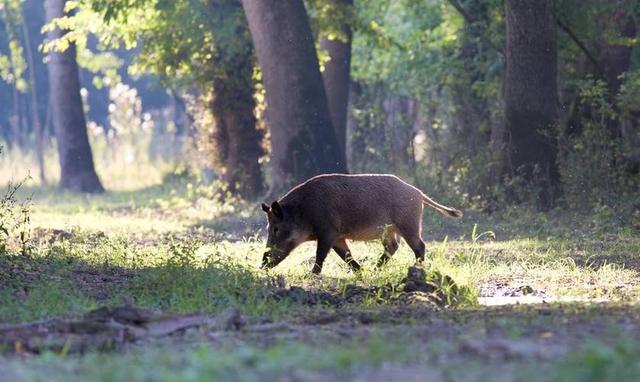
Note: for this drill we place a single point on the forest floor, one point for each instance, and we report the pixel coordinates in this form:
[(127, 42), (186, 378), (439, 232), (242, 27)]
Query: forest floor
[(511, 296)]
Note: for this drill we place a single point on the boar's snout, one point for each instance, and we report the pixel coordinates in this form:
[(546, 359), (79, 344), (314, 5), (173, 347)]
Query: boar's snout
[(265, 261), (272, 257)]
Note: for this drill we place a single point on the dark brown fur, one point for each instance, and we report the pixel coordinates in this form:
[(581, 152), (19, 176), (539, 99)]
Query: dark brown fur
[(332, 208)]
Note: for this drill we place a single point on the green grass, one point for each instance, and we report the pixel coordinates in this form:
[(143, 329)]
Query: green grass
[(176, 260), (203, 362), (599, 361), (177, 247)]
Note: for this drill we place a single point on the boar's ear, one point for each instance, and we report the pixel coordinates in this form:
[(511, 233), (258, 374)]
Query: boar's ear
[(276, 209), (265, 208)]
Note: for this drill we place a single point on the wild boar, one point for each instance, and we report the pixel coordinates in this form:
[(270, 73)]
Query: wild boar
[(332, 208)]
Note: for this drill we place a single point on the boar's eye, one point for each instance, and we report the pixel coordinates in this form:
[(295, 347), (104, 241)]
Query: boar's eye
[(275, 230)]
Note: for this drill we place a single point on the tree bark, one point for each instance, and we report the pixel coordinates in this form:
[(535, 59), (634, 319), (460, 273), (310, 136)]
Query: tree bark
[(531, 94), (336, 78), (401, 112), (77, 172), (33, 91), (238, 139), (303, 140), (14, 119)]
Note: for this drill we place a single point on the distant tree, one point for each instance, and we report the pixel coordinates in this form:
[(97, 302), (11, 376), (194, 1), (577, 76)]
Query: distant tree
[(12, 68), (615, 58), (303, 141), (77, 172), (201, 49), (33, 92), (336, 74), (531, 93)]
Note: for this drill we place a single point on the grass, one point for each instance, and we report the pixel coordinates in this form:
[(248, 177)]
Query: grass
[(202, 362), (170, 245), (601, 362)]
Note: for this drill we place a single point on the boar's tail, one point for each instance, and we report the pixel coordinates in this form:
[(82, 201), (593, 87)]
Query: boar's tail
[(446, 211)]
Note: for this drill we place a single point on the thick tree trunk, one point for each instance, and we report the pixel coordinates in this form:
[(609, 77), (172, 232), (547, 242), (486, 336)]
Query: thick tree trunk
[(76, 161), (303, 140), (238, 139), (531, 93), (336, 77)]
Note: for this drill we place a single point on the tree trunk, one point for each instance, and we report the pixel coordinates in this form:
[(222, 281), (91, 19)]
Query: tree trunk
[(238, 139), (33, 91), (76, 161), (400, 112), (336, 78), (14, 119), (303, 141), (531, 94)]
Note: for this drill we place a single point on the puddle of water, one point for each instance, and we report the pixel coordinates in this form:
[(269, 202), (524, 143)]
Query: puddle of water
[(513, 300)]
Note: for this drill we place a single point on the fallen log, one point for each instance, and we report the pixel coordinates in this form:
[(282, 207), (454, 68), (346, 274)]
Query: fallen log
[(105, 328)]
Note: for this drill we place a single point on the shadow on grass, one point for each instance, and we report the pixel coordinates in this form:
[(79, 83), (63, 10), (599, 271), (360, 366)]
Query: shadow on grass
[(70, 278), (54, 197)]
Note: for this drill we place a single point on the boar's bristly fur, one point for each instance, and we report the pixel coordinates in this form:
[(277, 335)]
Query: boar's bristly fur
[(332, 208)]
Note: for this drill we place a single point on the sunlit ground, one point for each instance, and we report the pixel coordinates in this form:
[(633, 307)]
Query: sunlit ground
[(168, 243)]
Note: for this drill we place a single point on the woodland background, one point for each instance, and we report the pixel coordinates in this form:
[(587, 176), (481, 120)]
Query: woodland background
[(487, 102), (139, 137)]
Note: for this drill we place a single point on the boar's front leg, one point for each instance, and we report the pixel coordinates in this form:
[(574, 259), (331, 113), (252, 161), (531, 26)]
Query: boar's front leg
[(341, 248), (324, 246)]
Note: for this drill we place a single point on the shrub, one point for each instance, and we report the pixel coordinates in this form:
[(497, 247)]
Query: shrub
[(14, 220), (593, 164)]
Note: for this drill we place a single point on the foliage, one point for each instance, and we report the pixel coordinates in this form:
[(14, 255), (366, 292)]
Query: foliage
[(594, 158), (426, 99), (448, 62), (180, 56), (14, 221), (130, 130), (628, 100), (447, 69), (12, 64), (80, 26), (200, 50)]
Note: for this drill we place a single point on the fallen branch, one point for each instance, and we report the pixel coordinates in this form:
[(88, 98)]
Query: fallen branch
[(101, 329)]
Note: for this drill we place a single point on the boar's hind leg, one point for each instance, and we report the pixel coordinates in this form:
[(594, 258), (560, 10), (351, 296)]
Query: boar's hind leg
[(341, 248), (418, 247), (412, 235), (390, 244)]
